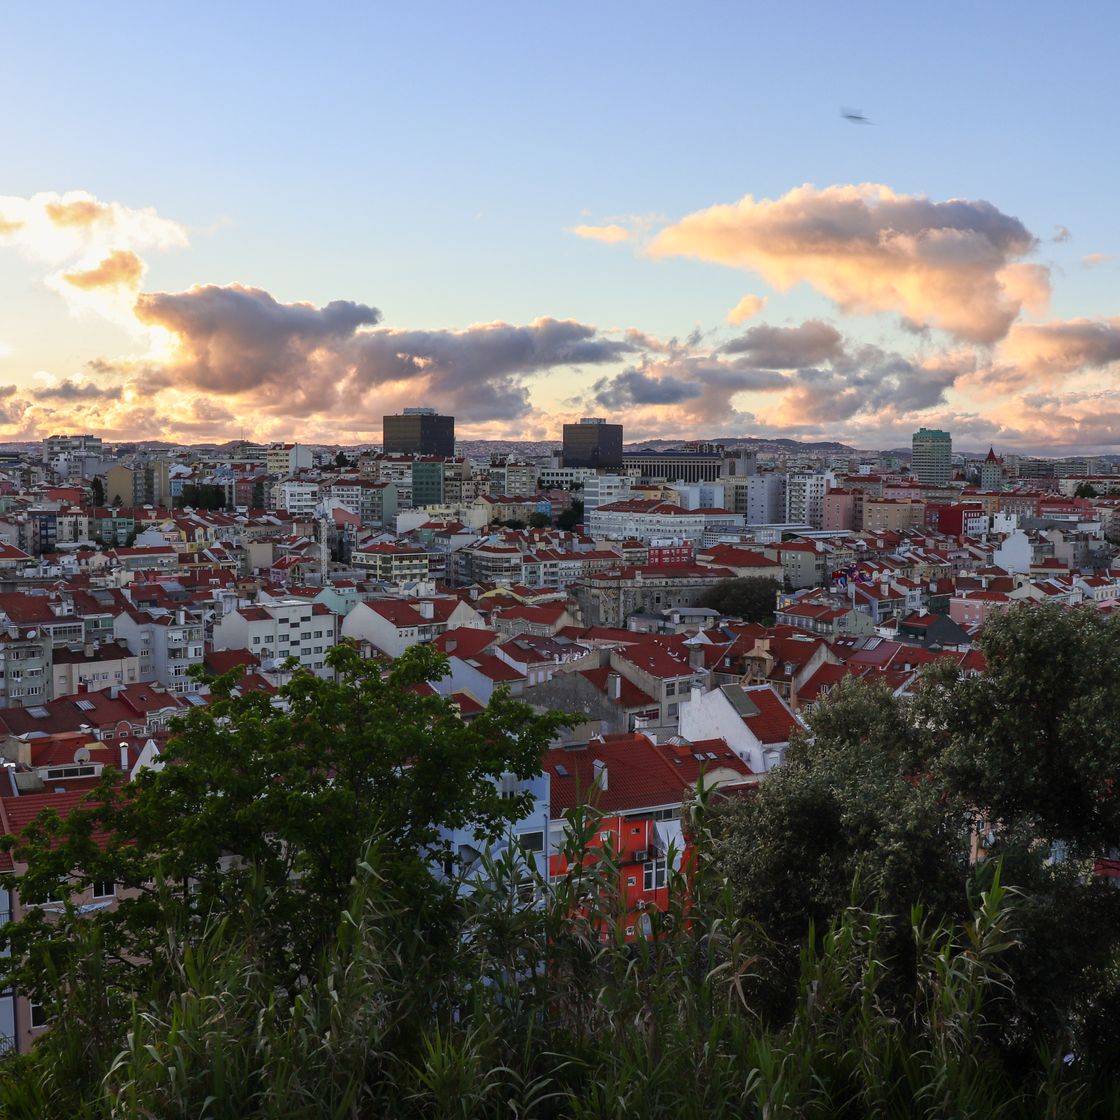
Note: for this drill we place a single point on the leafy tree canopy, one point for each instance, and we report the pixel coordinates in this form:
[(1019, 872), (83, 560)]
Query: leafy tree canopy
[(283, 800), (752, 599)]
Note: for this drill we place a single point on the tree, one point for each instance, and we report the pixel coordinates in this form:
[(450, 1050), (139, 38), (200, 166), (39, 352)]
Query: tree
[(570, 518), (752, 599), (1085, 490), (278, 803), (1033, 740), (202, 496), (97, 492), (539, 521), (340, 459), (851, 803)]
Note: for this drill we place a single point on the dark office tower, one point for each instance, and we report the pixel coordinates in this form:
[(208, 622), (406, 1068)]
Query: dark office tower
[(593, 443), (419, 431)]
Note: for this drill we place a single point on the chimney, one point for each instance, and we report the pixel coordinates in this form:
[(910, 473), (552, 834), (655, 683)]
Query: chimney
[(87, 649), (451, 645), (695, 657), (695, 693), (426, 609), (600, 768), (125, 768), (614, 685)]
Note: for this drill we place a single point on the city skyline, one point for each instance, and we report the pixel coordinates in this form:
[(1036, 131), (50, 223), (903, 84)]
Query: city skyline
[(288, 231)]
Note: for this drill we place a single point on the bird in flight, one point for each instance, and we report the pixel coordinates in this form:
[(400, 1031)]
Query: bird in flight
[(855, 116)]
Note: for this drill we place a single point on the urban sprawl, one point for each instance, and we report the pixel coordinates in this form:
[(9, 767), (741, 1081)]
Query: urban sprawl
[(578, 581)]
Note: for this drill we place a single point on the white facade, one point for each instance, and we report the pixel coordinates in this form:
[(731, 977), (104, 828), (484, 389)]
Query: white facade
[(286, 628), (602, 489), (805, 491)]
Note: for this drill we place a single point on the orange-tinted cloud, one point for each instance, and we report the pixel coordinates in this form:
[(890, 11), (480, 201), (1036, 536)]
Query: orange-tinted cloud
[(1063, 347), (8, 225), (612, 234), (745, 309), (953, 264), (300, 360), (79, 212), (121, 268)]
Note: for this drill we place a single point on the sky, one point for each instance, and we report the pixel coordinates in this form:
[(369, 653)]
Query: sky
[(284, 220)]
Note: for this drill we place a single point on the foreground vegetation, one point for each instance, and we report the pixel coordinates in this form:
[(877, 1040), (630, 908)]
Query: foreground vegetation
[(833, 949)]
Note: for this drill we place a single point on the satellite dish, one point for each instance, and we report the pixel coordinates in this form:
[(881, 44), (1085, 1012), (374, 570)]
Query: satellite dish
[(82, 755)]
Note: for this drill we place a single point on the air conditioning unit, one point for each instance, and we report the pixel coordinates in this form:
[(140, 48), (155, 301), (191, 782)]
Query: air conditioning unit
[(641, 855)]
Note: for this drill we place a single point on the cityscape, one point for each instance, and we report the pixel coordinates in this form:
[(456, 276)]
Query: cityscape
[(559, 563)]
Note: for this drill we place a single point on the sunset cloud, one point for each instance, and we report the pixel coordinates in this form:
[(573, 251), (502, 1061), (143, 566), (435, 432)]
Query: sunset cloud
[(1063, 347), (612, 234), (298, 359), (121, 268), (953, 264), (745, 309), (79, 229)]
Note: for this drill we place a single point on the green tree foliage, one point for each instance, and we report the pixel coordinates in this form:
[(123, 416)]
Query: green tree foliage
[(752, 599), (1085, 490), (340, 459), (97, 492), (829, 950), (568, 519), (202, 496), (280, 802), (851, 803), (539, 521)]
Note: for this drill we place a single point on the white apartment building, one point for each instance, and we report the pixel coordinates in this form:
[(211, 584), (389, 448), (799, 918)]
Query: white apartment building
[(603, 489), (648, 520), (805, 491), (279, 630), (166, 644), (287, 458), (296, 496)]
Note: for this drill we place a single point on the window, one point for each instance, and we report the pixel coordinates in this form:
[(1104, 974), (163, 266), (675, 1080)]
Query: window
[(656, 873), (39, 1016), (532, 841), (257, 640), (671, 688), (673, 709)]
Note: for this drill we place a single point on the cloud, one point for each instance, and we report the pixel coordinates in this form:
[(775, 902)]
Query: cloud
[(298, 359), (77, 228), (788, 347), (1091, 260), (746, 308), (121, 268), (1061, 233), (611, 234), (69, 390), (1063, 347), (78, 212), (872, 250)]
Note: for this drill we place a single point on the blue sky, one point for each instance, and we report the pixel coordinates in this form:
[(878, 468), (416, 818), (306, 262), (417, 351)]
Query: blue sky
[(430, 160)]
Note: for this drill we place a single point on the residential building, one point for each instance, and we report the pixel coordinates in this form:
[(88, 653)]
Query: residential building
[(279, 630), (932, 456), (167, 645)]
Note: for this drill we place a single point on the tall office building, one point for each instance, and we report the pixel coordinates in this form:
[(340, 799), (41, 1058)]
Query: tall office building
[(419, 431), (932, 458), (593, 444)]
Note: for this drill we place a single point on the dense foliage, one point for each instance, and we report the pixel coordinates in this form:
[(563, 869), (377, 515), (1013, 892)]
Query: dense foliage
[(834, 948), (753, 598)]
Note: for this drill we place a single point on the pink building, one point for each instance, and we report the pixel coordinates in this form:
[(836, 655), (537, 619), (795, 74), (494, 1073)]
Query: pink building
[(839, 510)]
